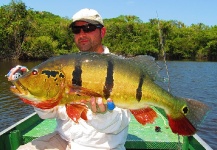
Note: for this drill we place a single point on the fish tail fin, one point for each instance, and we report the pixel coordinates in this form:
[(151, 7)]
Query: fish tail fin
[(188, 119), (76, 111), (144, 115)]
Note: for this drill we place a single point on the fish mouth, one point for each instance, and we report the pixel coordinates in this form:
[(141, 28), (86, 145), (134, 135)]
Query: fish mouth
[(27, 97), (18, 89)]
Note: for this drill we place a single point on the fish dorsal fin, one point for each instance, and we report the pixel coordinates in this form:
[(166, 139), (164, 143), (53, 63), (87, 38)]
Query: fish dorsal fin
[(148, 65)]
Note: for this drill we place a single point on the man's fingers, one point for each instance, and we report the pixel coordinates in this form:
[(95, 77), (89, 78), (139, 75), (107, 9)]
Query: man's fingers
[(96, 104), (93, 104), (12, 72), (101, 105)]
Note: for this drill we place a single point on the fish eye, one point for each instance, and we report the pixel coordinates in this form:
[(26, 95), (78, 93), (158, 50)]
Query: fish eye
[(34, 72), (185, 110)]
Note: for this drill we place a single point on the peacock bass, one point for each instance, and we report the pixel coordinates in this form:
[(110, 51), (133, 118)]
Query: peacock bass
[(129, 82)]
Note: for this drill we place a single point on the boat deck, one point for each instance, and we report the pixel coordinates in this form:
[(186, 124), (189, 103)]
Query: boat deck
[(141, 136)]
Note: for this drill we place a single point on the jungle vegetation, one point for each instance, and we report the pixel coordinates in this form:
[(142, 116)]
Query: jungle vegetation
[(29, 34)]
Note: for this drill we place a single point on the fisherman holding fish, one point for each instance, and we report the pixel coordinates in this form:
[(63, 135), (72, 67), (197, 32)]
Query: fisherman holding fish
[(104, 129), (91, 79)]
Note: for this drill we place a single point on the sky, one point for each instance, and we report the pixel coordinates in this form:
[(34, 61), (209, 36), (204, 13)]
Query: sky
[(186, 11)]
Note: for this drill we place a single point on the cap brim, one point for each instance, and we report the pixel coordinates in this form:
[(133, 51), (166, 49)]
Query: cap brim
[(89, 21), (86, 20)]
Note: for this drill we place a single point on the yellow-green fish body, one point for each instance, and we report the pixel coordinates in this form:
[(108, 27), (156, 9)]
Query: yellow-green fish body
[(129, 82)]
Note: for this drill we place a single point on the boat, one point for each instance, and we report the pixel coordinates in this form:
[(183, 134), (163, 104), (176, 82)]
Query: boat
[(152, 136)]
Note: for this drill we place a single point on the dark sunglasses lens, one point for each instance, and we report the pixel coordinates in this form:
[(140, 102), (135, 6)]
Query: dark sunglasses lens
[(76, 30), (85, 28), (89, 28)]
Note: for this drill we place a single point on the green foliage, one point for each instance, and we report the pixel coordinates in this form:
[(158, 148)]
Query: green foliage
[(13, 28), (39, 48), (127, 35), (29, 34)]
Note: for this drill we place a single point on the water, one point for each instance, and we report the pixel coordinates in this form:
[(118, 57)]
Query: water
[(195, 80), (12, 109)]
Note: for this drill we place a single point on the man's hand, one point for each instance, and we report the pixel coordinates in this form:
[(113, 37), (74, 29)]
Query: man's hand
[(97, 106), (16, 72)]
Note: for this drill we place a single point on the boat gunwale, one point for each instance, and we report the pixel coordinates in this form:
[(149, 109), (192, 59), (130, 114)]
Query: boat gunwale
[(16, 124)]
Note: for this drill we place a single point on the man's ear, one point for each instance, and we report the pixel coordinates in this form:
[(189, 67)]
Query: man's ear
[(103, 32)]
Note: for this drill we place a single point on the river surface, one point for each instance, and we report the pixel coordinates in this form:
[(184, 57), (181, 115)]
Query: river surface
[(196, 80)]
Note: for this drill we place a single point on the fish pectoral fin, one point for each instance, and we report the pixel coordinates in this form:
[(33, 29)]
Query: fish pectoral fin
[(48, 104), (144, 115), (76, 111), (83, 91)]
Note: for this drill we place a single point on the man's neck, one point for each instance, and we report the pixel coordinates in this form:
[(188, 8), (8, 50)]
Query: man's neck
[(99, 49)]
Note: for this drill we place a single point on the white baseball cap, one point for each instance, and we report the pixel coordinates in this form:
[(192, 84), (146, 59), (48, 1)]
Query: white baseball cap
[(88, 15)]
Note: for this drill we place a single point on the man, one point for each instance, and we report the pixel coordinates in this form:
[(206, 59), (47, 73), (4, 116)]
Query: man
[(102, 131)]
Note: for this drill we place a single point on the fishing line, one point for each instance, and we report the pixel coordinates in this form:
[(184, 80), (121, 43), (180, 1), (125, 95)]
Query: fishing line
[(162, 42), (164, 54)]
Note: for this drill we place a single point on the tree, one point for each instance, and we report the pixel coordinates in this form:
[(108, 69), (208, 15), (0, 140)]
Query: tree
[(13, 29)]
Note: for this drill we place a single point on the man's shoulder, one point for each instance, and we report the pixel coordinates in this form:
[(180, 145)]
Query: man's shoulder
[(106, 50)]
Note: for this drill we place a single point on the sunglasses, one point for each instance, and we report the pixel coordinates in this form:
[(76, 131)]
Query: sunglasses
[(86, 28)]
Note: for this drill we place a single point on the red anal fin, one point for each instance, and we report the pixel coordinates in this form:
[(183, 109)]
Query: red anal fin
[(144, 115), (181, 126), (83, 91), (42, 105), (76, 111)]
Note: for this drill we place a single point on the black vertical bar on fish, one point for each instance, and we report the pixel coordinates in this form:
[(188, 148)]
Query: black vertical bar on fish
[(139, 89), (76, 74), (109, 82)]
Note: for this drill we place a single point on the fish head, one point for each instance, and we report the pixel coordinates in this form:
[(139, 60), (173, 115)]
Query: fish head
[(41, 86)]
